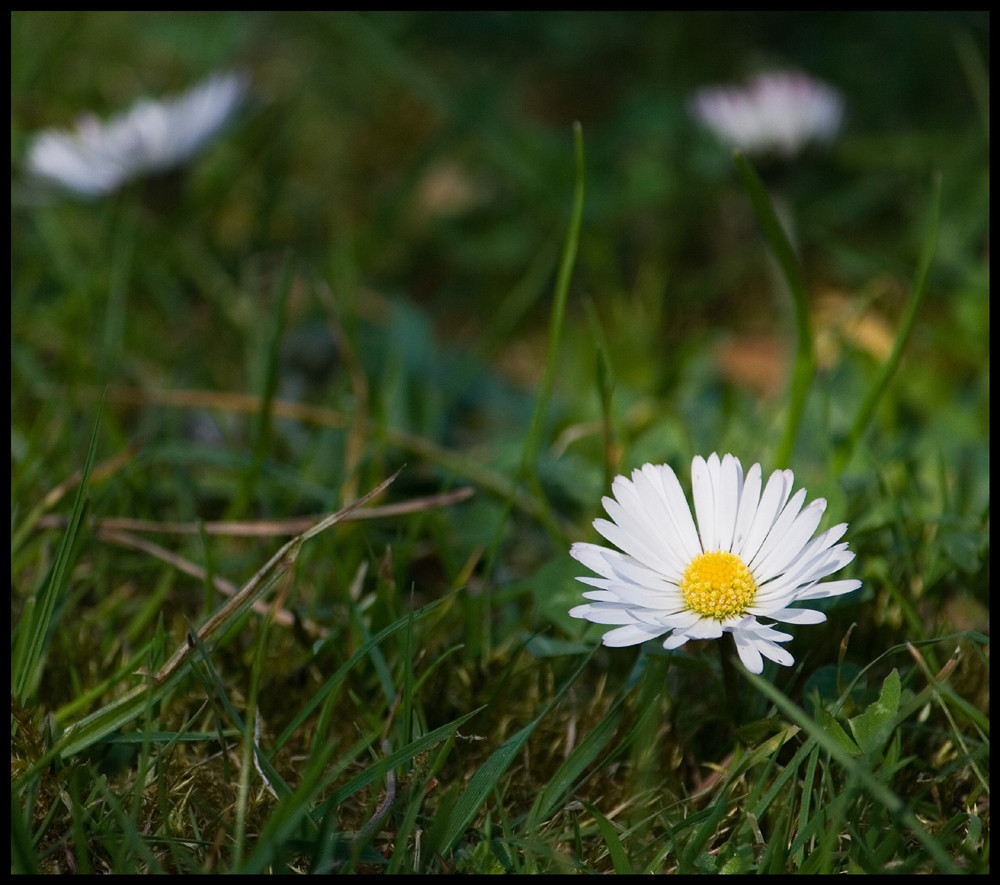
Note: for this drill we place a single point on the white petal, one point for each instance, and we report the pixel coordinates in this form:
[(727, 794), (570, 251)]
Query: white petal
[(675, 640), (606, 613), (730, 489), (634, 517), (775, 652), (750, 626), (633, 545), (749, 499), (797, 616), (749, 655), (779, 530), (663, 602), (617, 566), (704, 482), (664, 528), (791, 545), (675, 509), (815, 562), (829, 588), (771, 501), (679, 621), (704, 628), (599, 595), (660, 603), (823, 565), (633, 634)]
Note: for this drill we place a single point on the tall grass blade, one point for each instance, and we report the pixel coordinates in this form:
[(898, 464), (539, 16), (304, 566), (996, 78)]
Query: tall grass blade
[(110, 718), (22, 851), (878, 790), (881, 383), (33, 631), (777, 239), (334, 682), (485, 780), (480, 640), (250, 748), (406, 754), (583, 754), (262, 428), (533, 440), (611, 838)]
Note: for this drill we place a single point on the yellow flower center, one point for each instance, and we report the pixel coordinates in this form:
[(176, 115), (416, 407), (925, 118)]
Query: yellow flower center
[(718, 585)]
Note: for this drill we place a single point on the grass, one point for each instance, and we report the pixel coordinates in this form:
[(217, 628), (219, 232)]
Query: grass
[(301, 435)]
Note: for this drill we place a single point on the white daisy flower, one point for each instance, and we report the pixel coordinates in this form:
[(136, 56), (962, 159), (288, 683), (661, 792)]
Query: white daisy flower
[(777, 112), (151, 136), (751, 555)]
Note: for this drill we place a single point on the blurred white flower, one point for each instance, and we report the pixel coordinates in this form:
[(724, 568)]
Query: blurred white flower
[(151, 136), (750, 556), (777, 112)]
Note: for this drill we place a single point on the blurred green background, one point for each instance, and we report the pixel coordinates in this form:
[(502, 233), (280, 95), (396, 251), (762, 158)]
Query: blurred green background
[(418, 167), (428, 156)]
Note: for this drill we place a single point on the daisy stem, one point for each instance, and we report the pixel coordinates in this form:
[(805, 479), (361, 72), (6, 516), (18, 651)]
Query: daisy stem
[(733, 700)]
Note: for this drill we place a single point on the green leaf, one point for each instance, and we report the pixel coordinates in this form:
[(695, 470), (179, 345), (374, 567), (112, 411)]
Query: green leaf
[(873, 727), (834, 730)]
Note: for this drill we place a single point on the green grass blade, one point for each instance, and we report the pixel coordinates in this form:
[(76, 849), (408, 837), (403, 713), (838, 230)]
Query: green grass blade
[(878, 790), (881, 383), (533, 440), (378, 661), (249, 748), (22, 851), (377, 770), (334, 682), (109, 719), (807, 792), (775, 856), (611, 838), (484, 781), (290, 813), (479, 639), (133, 844), (31, 648), (708, 822), (777, 239), (262, 428), (583, 754)]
